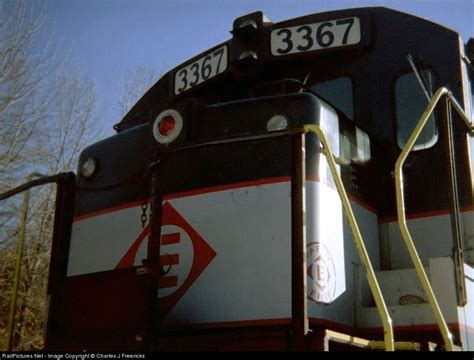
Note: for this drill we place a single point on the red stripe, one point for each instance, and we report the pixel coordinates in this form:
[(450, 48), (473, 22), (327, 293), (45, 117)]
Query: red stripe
[(109, 210), (185, 194), (312, 178), (417, 215), (168, 282), (344, 328), (257, 183), (363, 204), (227, 187), (168, 239), (466, 328), (424, 214), (243, 323), (171, 259), (212, 189), (415, 328), (327, 324)]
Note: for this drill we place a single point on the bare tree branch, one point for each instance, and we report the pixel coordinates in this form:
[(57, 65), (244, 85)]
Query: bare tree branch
[(133, 86), (46, 117)]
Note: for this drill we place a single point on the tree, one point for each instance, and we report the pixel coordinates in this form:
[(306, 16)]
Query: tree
[(71, 123), (133, 86), (22, 107), (27, 61), (46, 117)]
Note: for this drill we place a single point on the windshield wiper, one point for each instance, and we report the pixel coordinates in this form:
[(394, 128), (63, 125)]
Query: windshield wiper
[(422, 83)]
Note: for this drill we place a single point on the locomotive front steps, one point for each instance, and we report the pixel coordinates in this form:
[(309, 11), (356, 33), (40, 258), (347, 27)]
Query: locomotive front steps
[(406, 300)]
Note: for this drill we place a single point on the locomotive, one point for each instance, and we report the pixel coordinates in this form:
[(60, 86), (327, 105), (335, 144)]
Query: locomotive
[(305, 185)]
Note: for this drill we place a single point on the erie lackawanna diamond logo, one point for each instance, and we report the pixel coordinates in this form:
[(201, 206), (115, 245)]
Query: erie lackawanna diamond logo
[(184, 255)]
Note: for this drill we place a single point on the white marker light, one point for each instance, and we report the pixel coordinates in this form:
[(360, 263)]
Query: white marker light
[(89, 167), (277, 122), (167, 126)]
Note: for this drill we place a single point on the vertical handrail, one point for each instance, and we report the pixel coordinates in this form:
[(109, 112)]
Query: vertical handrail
[(359, 243), (18, 260), (458, 252), (3, 196), (447, 337), (299, 305)]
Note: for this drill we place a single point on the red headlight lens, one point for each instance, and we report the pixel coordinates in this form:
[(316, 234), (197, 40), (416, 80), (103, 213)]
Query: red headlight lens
[(167, 125)]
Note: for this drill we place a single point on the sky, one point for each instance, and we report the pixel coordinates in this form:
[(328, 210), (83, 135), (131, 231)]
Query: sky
[(107, 39)]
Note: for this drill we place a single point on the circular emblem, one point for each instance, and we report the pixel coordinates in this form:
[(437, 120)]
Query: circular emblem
[(321, 273)]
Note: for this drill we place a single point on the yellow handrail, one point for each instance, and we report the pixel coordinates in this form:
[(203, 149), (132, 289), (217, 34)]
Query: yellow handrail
[(447, 337), (18, 261), (359, 243), (341, 338)]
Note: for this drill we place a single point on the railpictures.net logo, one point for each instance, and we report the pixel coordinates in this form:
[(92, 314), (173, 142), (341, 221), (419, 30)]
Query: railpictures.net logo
[(68, 356)]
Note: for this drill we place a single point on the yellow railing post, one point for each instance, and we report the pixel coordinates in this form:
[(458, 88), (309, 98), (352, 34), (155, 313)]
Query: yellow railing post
[(359, 243), (447, 337), (18, 260)]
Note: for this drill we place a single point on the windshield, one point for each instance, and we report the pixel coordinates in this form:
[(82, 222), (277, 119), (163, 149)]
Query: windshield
[(338, 92)]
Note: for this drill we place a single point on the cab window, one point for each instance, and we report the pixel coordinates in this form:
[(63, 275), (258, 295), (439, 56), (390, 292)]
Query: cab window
[(337, 92), (471, 112), (411, 102)]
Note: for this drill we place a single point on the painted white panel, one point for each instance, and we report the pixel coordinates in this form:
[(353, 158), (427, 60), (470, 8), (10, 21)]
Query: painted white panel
[(398, 292), (468, 223), (325, 243), (443, 282), (466, 313), (98, 243), (341, 310), (249, 230), (249, 278), (441, 275), (432, 237)]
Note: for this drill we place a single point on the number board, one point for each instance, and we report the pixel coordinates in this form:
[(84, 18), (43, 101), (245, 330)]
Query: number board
[(317, 36), (201, 70)]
